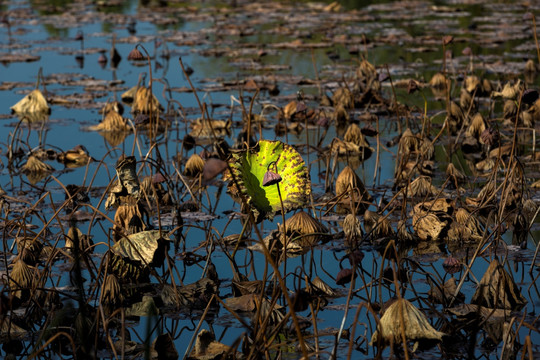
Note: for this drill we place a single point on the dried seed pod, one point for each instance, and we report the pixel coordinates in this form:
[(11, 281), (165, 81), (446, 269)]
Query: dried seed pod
[(451, 265), (194, 166), (344, 276), (271, 178)]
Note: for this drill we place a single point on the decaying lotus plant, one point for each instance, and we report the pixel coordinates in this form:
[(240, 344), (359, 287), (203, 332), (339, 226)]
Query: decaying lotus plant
[(438, 81), (466, 227), (145, 102), (76, 157), (350, 187), (344, 97), (455, 118), (35, 166), (455, 174), (33, 107), (377, 226), (350, 149), (75, 237), (29, 250), (202, 128), (352, 227), (206, 347), (111, 291), (248, 169), (194, 166), (113, 122), (445, 294), (129, 219), (127, 183), (303, 229), (510, 91), (21, 278), (422, 187), (403, 317), (152, 188), (497, 289), (432, 219), (476, 127)]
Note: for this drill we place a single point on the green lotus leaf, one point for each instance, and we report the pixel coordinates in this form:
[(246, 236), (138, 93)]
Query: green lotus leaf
[(248, 169)]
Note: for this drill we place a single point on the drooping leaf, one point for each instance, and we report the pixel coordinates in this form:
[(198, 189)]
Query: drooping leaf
[(33, 103), (415, 325), (138, 247), (248, 169)]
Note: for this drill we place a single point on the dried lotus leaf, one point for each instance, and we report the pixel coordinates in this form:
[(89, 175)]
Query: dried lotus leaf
[(302, 223), (33, 103), (427, 226), (21, 278), (194, 166), (377, 226), (111, 291), (349, 182), (34, 165), (509, 91), (477, 126), (113, 122), (422, 187), (352, 227), (343, 97), (438, 81), (145, 102), (415, 325), (497, 289), (354, 135), (318, 287)]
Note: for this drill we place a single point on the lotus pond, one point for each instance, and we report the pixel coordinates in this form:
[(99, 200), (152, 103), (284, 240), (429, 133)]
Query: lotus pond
[(273, 180)]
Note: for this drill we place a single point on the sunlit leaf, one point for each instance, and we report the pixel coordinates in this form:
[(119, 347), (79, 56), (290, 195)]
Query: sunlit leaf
[(249, 167), (138, 247)]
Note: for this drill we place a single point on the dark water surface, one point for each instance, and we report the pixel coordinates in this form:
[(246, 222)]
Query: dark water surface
[(225, 44)]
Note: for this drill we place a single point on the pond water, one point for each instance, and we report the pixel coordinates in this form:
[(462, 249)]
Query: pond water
[(289, 51)]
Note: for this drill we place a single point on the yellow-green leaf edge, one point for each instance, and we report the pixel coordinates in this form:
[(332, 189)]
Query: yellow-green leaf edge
[(249, 167)]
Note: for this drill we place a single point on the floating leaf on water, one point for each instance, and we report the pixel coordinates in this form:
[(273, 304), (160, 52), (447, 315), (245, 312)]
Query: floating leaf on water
[(140, 247), (415, 325), (485, 313), (33, 103), (147, 307), (207, 348), (76, 157), (248, 169), (145, 102), (34, 165), (497, 289)]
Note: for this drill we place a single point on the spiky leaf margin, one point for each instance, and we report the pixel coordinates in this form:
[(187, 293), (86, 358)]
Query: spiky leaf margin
[(249, 167)]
